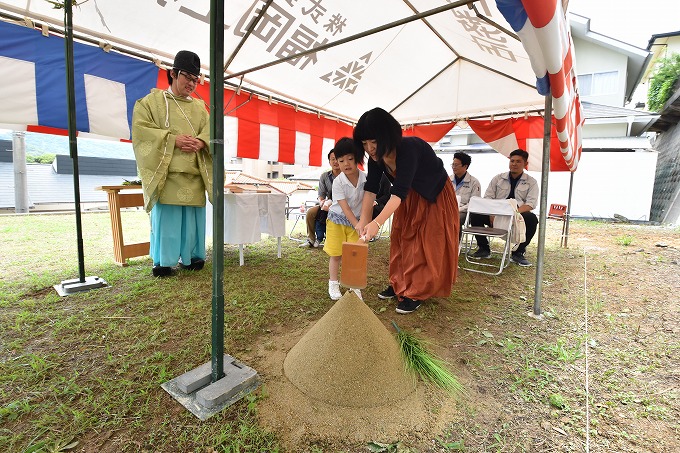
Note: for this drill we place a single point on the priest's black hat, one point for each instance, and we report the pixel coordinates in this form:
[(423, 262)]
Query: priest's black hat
[(186, 61)]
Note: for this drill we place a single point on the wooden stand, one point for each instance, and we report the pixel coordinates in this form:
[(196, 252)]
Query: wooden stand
[(354, 271), (118, 200)]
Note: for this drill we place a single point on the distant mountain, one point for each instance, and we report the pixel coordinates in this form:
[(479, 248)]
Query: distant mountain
[(39, 144)]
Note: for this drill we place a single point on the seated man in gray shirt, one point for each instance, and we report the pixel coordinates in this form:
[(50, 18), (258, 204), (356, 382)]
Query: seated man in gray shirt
[(515, 184), (465, 184), (315, 218)]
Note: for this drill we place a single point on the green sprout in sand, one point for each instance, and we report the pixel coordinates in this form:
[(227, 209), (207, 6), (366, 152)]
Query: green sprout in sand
[(430, 367)]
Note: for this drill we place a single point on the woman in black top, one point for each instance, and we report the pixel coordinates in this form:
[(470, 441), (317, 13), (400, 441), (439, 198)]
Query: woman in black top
[(424, 237)]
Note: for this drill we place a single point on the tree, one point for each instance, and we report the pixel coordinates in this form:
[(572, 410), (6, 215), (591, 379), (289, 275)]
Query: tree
[(662, 82)]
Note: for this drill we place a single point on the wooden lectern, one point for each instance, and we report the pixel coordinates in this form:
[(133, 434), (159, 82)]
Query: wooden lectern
[(118, 200)]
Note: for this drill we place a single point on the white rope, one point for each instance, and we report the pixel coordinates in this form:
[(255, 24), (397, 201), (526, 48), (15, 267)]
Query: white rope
[(585, 298), (167, 116)]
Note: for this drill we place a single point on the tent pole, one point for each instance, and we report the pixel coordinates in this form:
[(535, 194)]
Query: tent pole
[(217, 150), (227, 384), (82, 283), (72, 140), (545, 171), (565, 233)]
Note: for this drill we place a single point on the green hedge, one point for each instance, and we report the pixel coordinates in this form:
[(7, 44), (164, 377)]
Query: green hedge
[(41, 159), (661, 84)]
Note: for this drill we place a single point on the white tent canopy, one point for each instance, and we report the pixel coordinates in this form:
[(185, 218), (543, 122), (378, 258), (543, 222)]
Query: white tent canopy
[(462, 62)]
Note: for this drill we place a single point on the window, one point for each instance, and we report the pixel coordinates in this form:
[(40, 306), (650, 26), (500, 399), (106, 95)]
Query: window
[(598, 83)]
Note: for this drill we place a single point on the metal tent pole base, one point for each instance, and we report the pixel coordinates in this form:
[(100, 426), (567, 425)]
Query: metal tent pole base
[(76, 286), (539, 316), (194, 391)]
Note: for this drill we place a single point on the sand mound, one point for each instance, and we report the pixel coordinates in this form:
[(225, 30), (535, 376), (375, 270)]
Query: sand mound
[(348, 358)]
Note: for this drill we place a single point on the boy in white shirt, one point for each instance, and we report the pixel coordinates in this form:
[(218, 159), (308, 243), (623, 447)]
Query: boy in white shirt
[(343, 215)]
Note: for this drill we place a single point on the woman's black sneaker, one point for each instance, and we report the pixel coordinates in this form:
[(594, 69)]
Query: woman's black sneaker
[(407, 305), (387, 293)]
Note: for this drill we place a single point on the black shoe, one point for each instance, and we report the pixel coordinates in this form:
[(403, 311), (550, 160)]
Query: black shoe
[(387, 293), (408, 305), (161, 271), (196, 265), (482, 253), (518, 258)]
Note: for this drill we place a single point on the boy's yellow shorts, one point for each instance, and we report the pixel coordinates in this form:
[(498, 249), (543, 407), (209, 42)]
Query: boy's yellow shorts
[(336, 235)]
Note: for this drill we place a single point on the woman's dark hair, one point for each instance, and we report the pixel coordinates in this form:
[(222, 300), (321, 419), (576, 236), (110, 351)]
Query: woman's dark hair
[(378, 125), (346, 146)]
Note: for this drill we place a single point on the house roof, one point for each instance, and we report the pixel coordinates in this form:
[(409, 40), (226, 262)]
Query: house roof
[(593, 111), (639, 120), (660, 36), (278, 185), (661, 46), (313, 175)]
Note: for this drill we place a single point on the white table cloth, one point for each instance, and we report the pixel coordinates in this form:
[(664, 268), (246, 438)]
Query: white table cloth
[(248, 215)]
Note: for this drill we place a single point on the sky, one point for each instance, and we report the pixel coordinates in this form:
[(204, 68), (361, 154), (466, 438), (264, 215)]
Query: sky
[(630, 21)]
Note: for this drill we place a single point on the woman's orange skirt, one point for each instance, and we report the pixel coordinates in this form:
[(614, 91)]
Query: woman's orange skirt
[(424, 245)]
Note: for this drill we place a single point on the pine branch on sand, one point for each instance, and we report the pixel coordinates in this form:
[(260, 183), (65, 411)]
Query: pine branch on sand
[(430, 367)]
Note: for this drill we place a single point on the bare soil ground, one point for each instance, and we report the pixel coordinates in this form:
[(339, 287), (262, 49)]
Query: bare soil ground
[(609, 336)]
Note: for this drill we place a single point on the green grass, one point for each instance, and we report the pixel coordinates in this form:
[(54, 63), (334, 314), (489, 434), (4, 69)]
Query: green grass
[(625, 240), (87, 368)]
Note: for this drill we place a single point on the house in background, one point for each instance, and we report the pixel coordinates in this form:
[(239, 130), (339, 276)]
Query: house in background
[(50, 186), (615, 138), (666, 199)]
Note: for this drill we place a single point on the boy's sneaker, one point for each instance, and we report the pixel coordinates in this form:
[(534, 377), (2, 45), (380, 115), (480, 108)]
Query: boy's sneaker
[(407, 305), (518, 258), (316, 244), (334, 289), (357, 292), (306, 244), (387, 293), (482, 253)]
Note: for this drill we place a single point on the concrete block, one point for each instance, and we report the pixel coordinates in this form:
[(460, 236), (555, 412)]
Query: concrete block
[(75, 285), (199, 377), (238, 377)]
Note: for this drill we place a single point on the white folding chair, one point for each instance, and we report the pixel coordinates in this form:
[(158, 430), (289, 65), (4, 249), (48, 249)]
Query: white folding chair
[(503, 213), (301, 213), (385, 230)]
